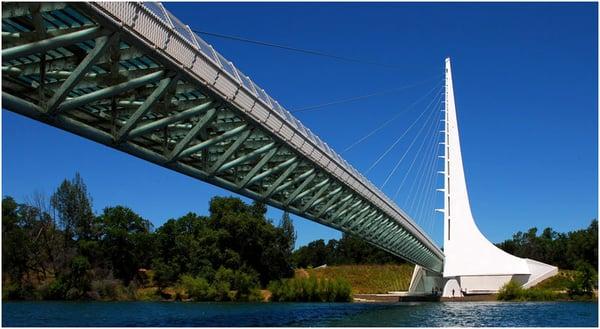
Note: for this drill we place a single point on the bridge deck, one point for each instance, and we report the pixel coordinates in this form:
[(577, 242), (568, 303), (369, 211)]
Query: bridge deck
[(133, 77)]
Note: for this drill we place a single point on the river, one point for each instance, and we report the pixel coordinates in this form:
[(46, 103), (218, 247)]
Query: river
[(150, 314)]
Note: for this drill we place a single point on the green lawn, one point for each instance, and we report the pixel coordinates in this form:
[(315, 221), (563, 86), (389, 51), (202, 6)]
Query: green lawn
[(367, 278), (559, 282)]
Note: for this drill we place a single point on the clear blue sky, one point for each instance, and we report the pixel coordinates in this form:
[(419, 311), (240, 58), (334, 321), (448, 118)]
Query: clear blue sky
[(526, 90)]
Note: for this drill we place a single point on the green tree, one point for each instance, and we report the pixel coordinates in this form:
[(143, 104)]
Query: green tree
[(74, 207), (14, 242), (348, 250), (289, 233), (78, 279), (560, 249), (585, 281), (188, 245), (314, 254), (126, 241), (247, 232)]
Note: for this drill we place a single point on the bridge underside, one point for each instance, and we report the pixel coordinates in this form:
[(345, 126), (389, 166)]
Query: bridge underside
[(78, 68)]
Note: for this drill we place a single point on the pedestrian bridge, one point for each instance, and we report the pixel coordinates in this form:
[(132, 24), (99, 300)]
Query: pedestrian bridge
[(133, 77)]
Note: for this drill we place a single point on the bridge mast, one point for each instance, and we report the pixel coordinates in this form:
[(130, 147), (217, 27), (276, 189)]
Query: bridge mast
[(446, 211), (472, 264)]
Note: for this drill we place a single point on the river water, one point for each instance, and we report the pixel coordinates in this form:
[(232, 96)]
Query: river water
[(473, 314)]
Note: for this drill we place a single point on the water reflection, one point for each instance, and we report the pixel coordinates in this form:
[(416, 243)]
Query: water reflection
[(151, 314)]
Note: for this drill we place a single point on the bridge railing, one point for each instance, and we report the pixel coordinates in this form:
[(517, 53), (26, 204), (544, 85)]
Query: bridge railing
[(275, 117), (351, 175), (151, 30)]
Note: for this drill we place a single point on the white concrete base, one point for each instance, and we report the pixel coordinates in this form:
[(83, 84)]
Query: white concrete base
[(539, 272), (452, 288), (424, 282), (490, 284)]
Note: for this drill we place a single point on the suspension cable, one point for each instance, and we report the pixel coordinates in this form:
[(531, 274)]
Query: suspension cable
[(387, 122), (431, 140), (399, 138), (424, 179), (429, 186), (408, 149), (417, 176), (356, 98), (296, 49)]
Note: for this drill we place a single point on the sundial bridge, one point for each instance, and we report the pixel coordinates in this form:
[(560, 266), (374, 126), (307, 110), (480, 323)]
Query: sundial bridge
[(133, 77)]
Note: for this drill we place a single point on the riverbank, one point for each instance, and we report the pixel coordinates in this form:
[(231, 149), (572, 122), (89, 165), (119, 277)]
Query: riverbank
[(358, 283), (372, 283)]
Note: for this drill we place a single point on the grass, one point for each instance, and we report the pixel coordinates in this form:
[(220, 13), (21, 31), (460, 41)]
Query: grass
[(559, 282), (553, 288), (366, 279), (513, 291), (147, 294)]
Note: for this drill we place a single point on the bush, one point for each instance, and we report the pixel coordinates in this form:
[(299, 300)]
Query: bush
[(510, 291), (227, 285), (513, 291), (197, 288), (108, 289), (310, 290), (147, 294), (585, 281), (163, 273), (221, 291), (74, 294), (144, 278), (15, 291), (53, 290), (10, 291)]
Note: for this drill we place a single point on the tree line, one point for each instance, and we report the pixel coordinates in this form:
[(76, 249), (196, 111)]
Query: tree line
[(57, 248), (346, 251), (565, 250)]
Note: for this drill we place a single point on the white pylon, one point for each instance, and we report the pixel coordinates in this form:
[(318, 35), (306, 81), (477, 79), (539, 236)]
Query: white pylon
[(472, 263)]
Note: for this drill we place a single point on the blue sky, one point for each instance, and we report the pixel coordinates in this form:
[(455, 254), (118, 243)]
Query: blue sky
[(525, 78)]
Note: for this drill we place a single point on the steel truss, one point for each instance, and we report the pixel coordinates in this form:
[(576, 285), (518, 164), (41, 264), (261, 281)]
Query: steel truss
[(80, 68)]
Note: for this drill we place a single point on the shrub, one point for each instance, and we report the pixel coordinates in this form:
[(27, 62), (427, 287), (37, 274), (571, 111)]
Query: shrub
[(246, 286), (513, 291), (197, 288), (78, 278), (254, 295), (17, 291), (220, 290), (10, 291), (310, 290), (108, 289), (163, 274), (147, 294), (74, 294), (241, 285), (585, 281), (55, 289), (343, 291), (510, 291), (144, 278)]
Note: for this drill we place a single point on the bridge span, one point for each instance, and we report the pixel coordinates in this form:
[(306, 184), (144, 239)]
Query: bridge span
[(133, 77)]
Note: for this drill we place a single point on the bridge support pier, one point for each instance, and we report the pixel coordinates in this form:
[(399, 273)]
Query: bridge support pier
[(425, 282)]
